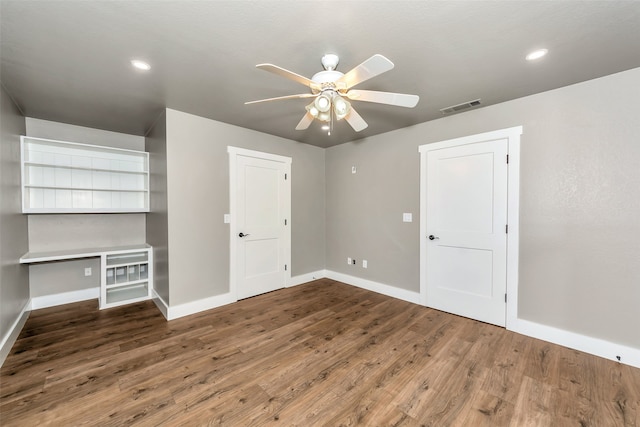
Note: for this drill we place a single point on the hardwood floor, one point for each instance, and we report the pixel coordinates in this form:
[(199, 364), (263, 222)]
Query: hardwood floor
[(323, 353)]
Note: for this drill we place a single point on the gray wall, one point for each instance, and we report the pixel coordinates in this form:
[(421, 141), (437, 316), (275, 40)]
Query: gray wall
[(198, 197), (579, 203), (157, 220), (58, 277), (14, 277), (364, 210), (76, 231)]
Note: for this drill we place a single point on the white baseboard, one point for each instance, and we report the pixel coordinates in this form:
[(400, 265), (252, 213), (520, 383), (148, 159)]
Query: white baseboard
[(186, 309), (598, 347), (181, 310), (308, 277), (160, 303), (12, 334), (380, 288), (64, 298)]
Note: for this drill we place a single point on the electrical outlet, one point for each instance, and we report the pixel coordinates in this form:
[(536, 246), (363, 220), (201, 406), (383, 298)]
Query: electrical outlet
[(87, 271), (349, 261), (364, 263), (354, 261)]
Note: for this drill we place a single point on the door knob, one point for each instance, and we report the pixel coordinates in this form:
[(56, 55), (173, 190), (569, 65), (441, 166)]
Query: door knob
[(243, 235), (432, 237)]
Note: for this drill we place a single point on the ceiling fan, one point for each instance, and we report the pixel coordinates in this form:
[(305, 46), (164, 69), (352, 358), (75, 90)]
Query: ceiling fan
[(331, 89)]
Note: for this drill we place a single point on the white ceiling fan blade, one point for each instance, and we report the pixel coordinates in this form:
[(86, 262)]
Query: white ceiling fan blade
[(355, 120), (372, 67), (305, 122), (288, 74), (390, 98), (278, 98)]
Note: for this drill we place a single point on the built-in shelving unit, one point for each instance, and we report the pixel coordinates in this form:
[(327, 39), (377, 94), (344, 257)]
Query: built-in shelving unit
[(126, 272), (69, 177), (126, 278)]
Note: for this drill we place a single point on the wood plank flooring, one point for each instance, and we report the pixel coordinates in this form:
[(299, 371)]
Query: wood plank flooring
[(319, 354)]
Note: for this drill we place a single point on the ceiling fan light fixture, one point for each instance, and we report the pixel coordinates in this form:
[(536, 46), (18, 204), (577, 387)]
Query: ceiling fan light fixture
[(311, 108), (324, 116), (341, 107), (323, 103)]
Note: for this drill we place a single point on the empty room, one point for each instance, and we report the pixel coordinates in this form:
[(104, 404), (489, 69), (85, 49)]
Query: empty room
[(319, 213)]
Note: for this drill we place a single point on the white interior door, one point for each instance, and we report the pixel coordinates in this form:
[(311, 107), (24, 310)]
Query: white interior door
[(466, 219), (261, 222)]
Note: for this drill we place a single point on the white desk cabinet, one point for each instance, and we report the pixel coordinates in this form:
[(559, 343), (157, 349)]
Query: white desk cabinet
[(126, 278), (126, 272)]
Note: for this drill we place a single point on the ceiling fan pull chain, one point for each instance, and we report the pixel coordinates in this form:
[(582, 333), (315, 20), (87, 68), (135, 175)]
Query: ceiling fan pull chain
[(331, 115)]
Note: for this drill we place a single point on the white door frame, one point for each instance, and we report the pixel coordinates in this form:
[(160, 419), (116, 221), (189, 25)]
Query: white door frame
[(234, 152), (513, 205)]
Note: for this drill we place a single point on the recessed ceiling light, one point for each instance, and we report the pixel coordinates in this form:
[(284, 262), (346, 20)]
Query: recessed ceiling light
[(140, 65), (536, 54)]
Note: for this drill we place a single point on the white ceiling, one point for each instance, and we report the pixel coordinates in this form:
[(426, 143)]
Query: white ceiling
[(68, 61)]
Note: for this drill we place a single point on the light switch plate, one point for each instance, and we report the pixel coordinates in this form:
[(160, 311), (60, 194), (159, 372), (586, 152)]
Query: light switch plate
[(407, 217), (227, 218)]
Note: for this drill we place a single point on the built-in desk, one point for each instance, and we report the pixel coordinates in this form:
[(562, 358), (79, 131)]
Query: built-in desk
[(126, 272)]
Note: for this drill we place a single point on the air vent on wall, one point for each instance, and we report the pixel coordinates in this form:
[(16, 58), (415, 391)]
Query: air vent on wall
[(460, 107)]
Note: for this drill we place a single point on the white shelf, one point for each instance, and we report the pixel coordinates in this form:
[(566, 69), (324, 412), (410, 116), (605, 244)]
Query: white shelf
[(48, 165), (121, 259), (119, 190), (122, 285), (127, 294), (68, 177), (33, 257)]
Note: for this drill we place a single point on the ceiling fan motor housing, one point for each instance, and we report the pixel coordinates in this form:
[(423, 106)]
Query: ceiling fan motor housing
[(326, 79)]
